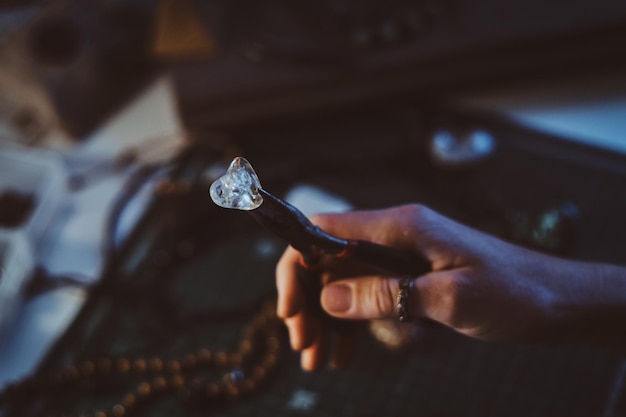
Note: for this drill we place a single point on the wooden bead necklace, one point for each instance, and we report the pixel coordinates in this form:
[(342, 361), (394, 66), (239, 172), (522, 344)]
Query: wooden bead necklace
[(256, 356)]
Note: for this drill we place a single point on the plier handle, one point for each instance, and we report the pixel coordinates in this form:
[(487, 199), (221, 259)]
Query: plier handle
[(311, 241)]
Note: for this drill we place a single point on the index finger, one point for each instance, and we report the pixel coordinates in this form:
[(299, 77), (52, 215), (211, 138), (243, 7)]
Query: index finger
[(291, 297), (396, 227)]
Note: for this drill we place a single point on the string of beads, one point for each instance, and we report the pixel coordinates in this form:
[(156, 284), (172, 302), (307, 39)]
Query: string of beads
[(244, 369)]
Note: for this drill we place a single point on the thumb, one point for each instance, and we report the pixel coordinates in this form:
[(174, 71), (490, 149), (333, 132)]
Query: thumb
[(364, 298)]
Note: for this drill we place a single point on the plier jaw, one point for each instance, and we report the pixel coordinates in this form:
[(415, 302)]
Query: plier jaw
[(241, 185), (293, 226)]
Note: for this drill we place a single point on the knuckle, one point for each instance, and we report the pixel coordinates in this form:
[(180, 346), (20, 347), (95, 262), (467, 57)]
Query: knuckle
[(414, 211), (414, 217), (454, 292), (380, 298)]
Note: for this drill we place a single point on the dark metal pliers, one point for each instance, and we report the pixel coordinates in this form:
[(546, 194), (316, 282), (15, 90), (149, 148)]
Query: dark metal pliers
[(312, 242)]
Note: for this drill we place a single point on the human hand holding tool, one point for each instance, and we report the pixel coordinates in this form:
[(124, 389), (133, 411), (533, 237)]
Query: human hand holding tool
[(240, 188), (472, 282)]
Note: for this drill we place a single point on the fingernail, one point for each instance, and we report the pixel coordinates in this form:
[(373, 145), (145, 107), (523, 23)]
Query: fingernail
[(337, 298)]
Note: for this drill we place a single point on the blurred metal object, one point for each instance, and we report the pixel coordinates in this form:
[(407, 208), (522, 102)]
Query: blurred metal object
[(553, 230), (456, 150), (392, 334)]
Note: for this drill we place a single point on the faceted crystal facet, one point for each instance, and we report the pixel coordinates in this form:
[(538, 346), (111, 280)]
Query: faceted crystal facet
[(238, 188)]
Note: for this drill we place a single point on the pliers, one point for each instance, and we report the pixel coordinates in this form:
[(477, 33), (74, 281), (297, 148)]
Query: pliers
[(312, 242)]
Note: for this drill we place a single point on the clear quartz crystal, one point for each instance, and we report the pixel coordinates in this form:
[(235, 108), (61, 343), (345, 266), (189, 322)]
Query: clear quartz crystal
[(238, 188)]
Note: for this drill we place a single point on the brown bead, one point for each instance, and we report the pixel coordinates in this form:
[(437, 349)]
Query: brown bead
[(273, 344), (123, 365), (236, 359), (204, 356), (259, 373), (190, 361), (118, 410), (87, 368), (155, 364), (245, 347), (173, 366), (269, 360), (100, 414), (129, 400), (231, 391), (248, 332), (221, 358), (159, 384), (139, 365), (247, 386), (213, 390), (177, 381), (104, 365), (143, 389)]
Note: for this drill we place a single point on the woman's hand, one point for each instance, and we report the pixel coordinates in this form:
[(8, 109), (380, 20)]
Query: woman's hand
[(480, 286)]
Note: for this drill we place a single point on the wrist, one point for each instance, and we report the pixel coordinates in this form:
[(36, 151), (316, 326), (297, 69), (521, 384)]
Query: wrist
[(591, 300)]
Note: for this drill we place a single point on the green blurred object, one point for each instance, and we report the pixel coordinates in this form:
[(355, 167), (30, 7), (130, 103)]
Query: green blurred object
[(552, 231)]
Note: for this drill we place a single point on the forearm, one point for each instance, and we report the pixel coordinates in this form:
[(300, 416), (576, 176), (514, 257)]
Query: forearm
[(592, 306)]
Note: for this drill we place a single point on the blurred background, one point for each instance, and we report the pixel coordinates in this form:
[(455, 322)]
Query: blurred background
[(125, 291)]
